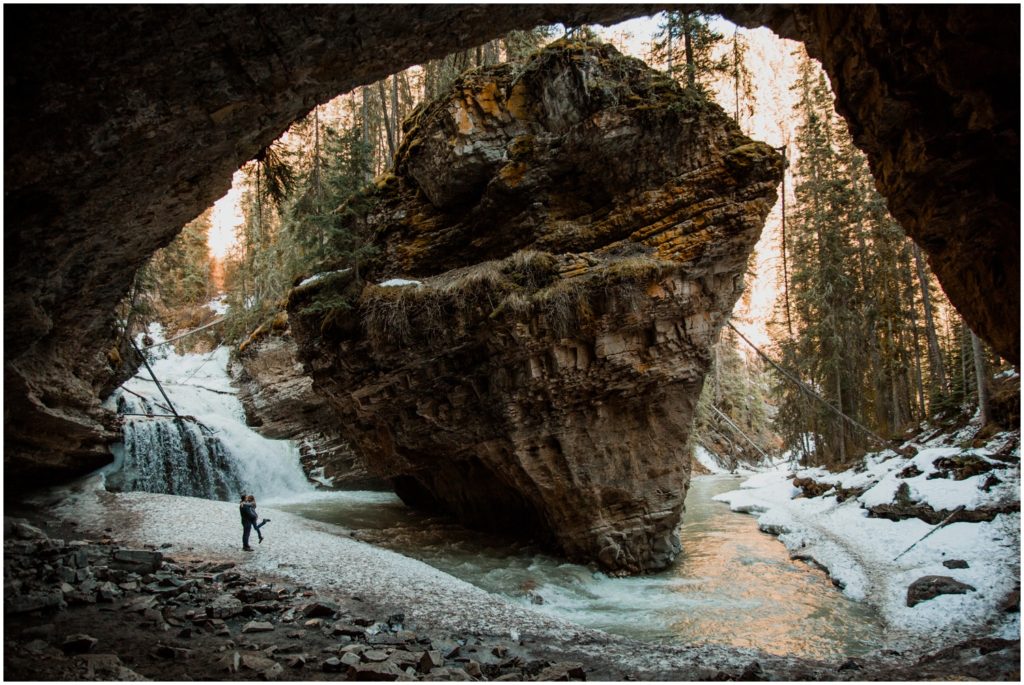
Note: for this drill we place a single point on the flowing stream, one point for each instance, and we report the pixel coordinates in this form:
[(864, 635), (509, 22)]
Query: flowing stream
[(732, 585)]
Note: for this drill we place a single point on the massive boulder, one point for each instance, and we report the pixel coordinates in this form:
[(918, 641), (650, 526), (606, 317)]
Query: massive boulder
[(578, 231)]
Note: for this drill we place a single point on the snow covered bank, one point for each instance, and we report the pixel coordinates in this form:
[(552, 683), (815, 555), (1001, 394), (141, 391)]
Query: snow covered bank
[(865, 555)]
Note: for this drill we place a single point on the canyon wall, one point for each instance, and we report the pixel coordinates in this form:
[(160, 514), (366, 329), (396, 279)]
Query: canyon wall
[(557, 251)]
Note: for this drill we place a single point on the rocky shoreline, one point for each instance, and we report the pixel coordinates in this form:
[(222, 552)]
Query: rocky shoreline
[(134, 614), (82, 604)]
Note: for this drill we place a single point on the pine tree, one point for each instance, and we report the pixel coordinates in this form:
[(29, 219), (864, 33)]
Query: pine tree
[(686, 43)]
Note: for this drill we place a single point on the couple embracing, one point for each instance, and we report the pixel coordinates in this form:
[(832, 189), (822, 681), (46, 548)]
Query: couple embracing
[(247, 508)]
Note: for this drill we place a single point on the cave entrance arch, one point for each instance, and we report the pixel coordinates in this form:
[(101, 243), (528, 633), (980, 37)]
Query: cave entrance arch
[(123, 123)]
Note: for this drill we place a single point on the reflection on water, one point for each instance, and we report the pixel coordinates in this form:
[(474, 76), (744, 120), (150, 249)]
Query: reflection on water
[(732, 585)]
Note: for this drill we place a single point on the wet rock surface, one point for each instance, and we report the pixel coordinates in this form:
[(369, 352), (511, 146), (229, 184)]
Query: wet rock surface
[(580, 227)]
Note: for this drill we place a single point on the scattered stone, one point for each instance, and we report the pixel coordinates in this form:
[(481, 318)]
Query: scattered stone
[(224, 606), (37, 646), (811, 487), (230, 663), (172, 652), (562, 671), (332, 665), (927, 587), (97, 665), (217, 567), (78, 643), (955, 563), (256, 662), (1012, 602), (138, 560), (320, 608), (375, 655), (108, 592), (376, 671), (473, 669), (297, 662), (140, 604), (273, 673), (350, 659), (404, 658), (32, 601), (25, 531), (752, 672), (850, 665), (448, 674), (347, 629)]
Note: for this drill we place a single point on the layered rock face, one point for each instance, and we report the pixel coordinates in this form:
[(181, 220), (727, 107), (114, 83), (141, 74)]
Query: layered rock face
[(124, 123), (580, 228), (280, 404)]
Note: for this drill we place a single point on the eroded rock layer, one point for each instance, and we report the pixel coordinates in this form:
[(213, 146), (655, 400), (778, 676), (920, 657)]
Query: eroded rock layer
[(580, 228)]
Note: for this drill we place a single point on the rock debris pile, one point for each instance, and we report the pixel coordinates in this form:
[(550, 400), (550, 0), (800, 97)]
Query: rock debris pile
[(93, 610)]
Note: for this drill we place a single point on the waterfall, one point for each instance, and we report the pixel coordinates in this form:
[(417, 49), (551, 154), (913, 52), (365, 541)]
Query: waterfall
[(178, 457), (212, 453)]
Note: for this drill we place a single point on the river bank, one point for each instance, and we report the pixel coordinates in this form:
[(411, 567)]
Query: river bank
[(192, 635), (928, 534)]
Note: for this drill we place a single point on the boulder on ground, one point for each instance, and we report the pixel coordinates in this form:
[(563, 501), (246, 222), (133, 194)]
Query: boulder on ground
[(927, 587)]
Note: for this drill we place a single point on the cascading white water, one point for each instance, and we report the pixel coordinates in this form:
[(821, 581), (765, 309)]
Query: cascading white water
[(211, 454), (179, 457)]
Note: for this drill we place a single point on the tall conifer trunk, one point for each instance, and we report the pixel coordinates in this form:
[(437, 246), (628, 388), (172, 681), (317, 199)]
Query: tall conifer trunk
[(981, 378), (935, 355)]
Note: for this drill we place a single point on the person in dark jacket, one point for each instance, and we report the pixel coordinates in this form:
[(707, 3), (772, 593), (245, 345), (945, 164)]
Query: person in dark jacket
[(252, 502), (247, 510)]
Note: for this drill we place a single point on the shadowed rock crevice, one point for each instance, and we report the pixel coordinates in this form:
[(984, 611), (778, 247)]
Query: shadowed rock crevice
[(542, 375)]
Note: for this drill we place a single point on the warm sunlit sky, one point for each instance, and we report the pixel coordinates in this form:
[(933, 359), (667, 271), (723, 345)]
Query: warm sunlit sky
[(773, 67)]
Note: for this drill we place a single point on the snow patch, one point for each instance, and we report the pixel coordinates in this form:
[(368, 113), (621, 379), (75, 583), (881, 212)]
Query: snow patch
[(218, 305), (316, 277), (398, 283), (707, 460)]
